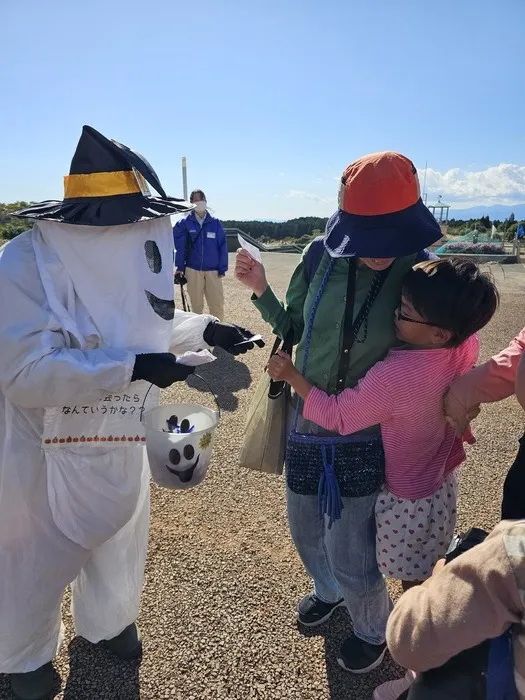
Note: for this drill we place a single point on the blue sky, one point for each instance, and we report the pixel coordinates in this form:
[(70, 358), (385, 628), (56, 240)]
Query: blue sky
[(268, 100)]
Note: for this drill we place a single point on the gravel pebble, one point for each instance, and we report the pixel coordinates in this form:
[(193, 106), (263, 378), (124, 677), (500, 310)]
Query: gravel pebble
[(223, 578)]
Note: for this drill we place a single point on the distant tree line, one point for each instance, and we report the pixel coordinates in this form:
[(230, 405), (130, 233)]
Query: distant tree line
[(300, 230), (305, 228), (10, 226)]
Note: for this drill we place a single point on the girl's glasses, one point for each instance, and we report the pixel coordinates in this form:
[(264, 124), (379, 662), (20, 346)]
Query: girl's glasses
[(402, 317)]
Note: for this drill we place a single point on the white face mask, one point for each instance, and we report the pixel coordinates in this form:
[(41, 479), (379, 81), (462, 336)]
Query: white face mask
[(200, 207)]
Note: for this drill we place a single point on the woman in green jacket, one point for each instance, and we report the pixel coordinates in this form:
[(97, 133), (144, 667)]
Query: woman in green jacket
[(340, 308)]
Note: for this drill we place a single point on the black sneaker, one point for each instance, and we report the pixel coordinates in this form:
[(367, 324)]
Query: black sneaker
[(34, 685), (359, 657), (312, 612)]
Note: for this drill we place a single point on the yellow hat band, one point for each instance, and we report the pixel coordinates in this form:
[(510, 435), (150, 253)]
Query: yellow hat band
[(100, 184)]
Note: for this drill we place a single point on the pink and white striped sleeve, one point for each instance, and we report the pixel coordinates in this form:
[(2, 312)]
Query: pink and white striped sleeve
[(369, 403)]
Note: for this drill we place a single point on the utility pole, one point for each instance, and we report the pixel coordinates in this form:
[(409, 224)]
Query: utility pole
[(184, 179)]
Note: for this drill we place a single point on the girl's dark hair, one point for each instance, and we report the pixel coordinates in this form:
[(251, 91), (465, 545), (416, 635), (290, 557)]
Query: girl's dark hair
[(452, 294), (192, 195)]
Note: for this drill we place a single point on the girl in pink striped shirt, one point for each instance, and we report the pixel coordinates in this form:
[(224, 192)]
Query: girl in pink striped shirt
[(444, 303)]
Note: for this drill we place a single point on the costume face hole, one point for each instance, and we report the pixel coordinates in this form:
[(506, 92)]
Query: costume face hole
[(189, 452), (185, 426), (175, 457), (153, 256)]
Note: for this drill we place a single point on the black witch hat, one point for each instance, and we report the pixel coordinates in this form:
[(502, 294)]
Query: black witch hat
[(107, 185)]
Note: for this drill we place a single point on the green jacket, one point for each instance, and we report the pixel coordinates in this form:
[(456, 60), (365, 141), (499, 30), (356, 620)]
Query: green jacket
[(327, 333)]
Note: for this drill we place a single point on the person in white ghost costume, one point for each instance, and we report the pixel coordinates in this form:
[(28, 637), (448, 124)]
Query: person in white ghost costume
[(87, 314)]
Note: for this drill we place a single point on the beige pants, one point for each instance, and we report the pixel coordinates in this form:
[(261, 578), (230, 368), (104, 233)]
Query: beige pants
[(209, 285)]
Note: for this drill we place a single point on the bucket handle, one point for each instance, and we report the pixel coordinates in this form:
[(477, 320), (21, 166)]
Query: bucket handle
[(204, 381)]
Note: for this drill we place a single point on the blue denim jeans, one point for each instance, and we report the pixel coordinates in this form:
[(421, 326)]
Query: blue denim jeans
[(342, 560)]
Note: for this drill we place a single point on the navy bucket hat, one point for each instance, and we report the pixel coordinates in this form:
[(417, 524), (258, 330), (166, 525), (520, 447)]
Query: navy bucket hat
[(381, 213)]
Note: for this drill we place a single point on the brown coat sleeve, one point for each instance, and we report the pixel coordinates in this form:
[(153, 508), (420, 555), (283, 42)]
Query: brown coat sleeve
[(473, 598)]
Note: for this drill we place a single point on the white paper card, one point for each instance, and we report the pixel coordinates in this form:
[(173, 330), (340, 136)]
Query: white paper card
[(194, 359), (258, 336), (249, 248)]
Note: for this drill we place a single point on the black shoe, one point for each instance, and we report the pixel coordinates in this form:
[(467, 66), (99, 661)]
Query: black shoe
[(128, 644), (35, 685), (359, 657), (312, 612)]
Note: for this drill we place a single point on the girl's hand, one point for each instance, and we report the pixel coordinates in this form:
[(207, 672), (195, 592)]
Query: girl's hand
[(280, 367), (250, 272)]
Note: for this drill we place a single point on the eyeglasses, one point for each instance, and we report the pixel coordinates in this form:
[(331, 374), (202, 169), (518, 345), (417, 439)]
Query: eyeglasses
[(402, 317)]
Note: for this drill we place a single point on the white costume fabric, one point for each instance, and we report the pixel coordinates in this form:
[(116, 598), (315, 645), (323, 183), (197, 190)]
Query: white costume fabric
[(76, 310)]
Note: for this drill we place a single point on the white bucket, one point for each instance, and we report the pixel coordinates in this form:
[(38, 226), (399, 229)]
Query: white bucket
[(179, 460)]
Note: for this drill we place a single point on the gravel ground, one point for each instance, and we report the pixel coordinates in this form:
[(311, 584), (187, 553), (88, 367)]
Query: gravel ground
[(223, 577)]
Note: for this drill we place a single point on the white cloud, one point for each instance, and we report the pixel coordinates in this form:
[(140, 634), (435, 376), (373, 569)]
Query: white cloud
[(301, 194), (500, 184), (462, 188)]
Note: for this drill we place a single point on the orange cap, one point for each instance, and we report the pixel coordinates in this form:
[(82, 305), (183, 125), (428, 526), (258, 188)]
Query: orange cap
[(379, 183)]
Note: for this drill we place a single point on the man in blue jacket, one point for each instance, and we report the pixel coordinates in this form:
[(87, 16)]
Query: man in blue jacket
[(201, 255)]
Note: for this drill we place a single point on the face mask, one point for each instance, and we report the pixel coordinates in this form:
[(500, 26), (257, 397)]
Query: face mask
[(200, 207)]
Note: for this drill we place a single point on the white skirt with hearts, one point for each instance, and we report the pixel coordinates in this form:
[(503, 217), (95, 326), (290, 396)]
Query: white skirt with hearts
[(412, 534)]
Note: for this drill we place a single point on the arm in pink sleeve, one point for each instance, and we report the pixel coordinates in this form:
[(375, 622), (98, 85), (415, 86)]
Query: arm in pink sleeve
[(493, 381), (370, 403), (520, 382)]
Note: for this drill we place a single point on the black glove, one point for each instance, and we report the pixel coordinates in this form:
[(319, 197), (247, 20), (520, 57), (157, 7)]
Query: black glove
[(227, 336), (160, 368), (180, 278)]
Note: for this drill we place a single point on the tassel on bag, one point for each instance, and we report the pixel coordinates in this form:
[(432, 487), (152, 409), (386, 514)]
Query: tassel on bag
[(329, 496)]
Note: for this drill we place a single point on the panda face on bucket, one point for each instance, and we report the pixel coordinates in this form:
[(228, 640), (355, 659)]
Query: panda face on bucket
[(183, 462)]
